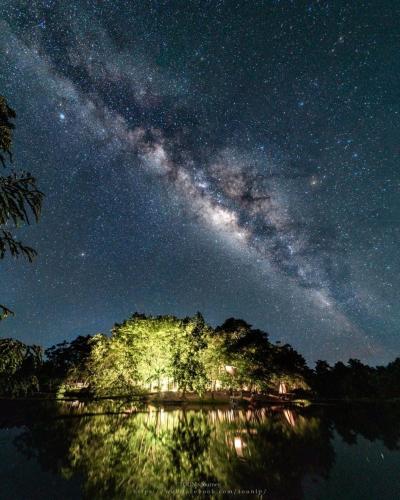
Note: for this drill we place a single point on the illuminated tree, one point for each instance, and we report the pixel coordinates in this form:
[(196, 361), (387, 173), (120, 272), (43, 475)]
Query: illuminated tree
[(248, 352), (150, 354), (187, 367), (112, 368), (165, 353), (290, 368)]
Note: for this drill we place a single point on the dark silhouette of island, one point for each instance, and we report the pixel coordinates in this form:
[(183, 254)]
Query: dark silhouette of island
[(173, 358)]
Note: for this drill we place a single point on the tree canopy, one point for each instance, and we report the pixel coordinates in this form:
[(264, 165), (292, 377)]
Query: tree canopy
[(165, 353), (160, 354), (19, 367)]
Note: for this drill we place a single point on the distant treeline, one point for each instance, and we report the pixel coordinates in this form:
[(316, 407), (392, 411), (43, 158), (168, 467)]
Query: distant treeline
[(164, 353)]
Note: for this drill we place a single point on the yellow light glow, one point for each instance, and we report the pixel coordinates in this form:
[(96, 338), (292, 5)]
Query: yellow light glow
[(238, 443), (230, 369)]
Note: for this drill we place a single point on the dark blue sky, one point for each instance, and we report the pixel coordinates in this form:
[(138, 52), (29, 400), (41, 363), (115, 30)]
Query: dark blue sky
[(237, 158)]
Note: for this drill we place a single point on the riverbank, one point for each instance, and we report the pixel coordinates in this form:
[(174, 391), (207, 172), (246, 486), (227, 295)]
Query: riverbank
[(217, 398)]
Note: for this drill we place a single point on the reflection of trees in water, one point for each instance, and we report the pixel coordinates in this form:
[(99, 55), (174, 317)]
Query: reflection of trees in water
[(372, 421), (123, 454), (268, 451), (118, 451)]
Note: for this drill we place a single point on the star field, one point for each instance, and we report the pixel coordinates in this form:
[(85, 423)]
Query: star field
[(237, 158)]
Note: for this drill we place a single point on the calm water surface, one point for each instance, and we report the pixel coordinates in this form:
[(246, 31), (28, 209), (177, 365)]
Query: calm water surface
[(116, 449)]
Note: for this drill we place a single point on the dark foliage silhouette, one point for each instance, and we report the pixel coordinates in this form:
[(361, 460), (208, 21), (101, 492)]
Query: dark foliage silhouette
[(20, 199)]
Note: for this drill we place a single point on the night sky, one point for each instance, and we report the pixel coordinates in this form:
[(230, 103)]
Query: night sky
[(239, 158)]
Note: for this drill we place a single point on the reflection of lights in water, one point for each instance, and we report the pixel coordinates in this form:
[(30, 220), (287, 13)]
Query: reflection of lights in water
[(289, 415), (130, 410), (246, 420), (164, 447)]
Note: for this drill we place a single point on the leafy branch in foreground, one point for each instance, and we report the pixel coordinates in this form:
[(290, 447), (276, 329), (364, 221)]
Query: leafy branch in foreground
[(16, 248), (5, 312), (20, 199), (18, 194), (6, 127)]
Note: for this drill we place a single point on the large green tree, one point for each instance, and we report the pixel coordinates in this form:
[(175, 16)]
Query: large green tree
[(136, 357), (151, 354), (188, 368), (20, 199), (164, 353)]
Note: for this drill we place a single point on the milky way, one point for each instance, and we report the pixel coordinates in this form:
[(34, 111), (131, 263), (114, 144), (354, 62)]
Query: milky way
[(278, 202)]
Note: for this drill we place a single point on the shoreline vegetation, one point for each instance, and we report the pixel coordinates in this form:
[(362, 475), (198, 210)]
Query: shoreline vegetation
[(165, 360), (160, 400)]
